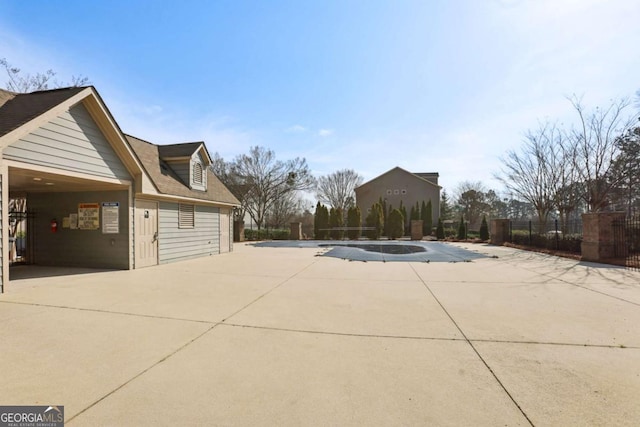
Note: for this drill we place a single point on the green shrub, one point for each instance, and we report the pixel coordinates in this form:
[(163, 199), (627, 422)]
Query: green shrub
[(571, 244), (404, 215), (263, 234), (321, 222), (385, 232), (354, 219), (375, 220), (484, 229), (427, 218), (396, 224), (336, 220), (440, 230), (462, 230), (415, 212)]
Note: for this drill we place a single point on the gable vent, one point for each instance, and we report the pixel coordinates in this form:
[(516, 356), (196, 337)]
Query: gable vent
[(197, 173)]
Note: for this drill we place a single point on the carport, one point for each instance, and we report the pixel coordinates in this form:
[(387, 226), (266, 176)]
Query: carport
[(64, 155), (51, 234)]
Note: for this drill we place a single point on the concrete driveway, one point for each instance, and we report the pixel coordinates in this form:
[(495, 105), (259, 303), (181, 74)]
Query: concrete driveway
[(280, 336)]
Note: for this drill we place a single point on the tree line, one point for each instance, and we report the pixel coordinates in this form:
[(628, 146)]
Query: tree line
[(556, 172), (381, 220), (591, 166), (271, 191), (272, 194)]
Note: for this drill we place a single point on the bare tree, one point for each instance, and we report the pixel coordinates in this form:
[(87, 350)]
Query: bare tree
[(528, 174), (596, 148), (563, 174), (20, 82), (284, 210), (626, 171), (472, 202), (235, 183), (338, 189), (263, 181)]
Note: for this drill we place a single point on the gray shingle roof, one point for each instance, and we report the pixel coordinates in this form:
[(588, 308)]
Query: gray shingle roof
[(17, 109), (178, 150), (169, 183)]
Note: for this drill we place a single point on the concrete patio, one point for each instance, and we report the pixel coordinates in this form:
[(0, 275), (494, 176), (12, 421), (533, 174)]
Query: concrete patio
[(280, 336)]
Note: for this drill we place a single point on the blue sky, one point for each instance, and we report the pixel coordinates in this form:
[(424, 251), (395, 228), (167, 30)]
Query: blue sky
[(444, 86)]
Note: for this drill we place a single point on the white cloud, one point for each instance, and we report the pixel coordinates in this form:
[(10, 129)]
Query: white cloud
[(325, 132), (296, 129)]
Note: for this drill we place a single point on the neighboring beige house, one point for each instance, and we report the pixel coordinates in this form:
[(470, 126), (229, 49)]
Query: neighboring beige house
[(99, 198), (399, 185)]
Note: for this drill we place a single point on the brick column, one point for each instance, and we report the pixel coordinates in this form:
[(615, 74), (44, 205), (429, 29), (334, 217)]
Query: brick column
[(499, 231), (296, 231), (416, 229), (597, 235)]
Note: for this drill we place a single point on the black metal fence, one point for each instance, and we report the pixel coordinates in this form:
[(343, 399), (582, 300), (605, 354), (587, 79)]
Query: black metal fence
[(626, 241), (553, 235)]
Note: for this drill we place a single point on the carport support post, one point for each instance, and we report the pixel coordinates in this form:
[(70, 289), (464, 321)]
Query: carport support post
[(499, 231), (4, 224), (597, 235)]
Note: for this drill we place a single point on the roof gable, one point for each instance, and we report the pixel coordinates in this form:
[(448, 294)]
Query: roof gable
[(395, 171), (23, 112), (71, 142)]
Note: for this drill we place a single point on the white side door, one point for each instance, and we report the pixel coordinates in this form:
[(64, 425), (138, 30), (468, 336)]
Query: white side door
[(146, 235)]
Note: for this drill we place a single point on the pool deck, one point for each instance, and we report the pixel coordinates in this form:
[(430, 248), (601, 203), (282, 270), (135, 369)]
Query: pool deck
[(282, 336)]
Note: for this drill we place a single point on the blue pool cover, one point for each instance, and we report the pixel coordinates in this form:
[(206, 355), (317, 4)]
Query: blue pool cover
[(383, 250)]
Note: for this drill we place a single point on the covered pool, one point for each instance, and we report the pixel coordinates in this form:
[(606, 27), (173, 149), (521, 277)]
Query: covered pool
[(383, 250)]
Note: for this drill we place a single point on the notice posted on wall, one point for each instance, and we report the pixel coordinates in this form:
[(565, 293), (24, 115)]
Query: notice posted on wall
[(73, 221), (88, 216), (110, 223)]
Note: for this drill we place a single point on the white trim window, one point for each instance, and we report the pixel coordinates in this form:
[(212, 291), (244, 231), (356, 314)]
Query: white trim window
[(186, 215)]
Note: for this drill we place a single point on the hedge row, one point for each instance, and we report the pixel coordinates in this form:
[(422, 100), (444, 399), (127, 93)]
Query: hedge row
[(271, 234), (564, 243)]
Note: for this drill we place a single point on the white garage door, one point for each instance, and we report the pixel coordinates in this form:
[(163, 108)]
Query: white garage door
[(225, 230)]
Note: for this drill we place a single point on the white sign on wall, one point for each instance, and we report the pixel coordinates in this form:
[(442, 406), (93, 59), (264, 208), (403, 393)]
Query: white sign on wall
[(73, 221), (88, 216), (110, 224)]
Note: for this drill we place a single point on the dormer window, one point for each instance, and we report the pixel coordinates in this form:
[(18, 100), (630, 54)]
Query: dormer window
[(189, 161)]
